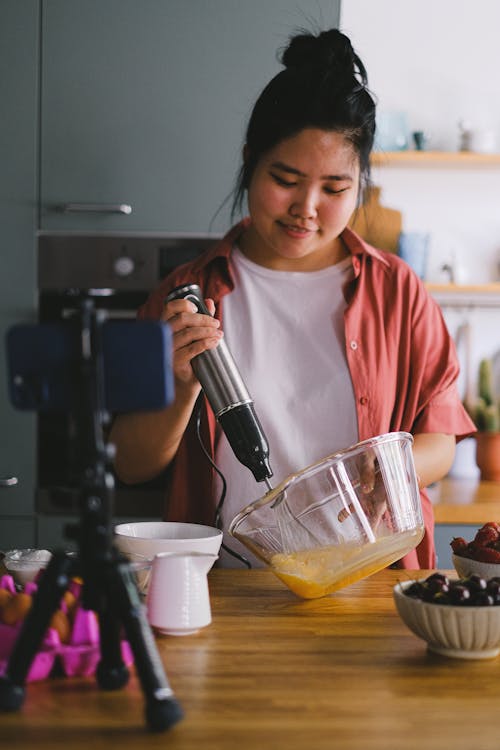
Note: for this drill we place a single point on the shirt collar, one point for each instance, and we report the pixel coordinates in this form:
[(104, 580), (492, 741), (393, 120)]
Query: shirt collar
[(222, 249), (360, 249)]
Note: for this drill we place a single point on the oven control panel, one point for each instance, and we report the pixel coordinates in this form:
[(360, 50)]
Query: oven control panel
[(114, 262)]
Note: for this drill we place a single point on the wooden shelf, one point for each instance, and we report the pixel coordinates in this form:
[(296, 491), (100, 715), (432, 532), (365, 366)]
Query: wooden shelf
[(491, 288), (433, 159), (466, 295)]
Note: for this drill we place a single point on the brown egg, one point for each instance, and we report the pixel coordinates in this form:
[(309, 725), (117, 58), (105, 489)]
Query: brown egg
[(60, 623), (4, 597), (16, 608), (70, 601)]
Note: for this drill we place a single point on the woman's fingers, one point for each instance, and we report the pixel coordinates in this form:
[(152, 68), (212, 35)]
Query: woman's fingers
[(367, 473), (193, 333), (371, 494)]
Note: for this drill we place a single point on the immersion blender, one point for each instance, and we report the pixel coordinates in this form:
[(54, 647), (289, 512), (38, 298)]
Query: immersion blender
[(228, 396)]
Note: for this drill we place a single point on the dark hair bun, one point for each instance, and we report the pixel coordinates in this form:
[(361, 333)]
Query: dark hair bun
[(330, 50)]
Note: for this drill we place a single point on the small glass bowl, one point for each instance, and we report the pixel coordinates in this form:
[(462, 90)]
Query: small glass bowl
[(25, 564)]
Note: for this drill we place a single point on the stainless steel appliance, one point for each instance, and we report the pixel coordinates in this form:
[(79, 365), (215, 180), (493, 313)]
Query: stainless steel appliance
[(118, 272)]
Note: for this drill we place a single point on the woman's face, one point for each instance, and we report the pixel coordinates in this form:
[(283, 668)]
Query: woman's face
[(301, 197)]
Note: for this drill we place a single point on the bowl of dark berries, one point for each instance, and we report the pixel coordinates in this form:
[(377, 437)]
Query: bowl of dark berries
[(480, 556), (457, 617)]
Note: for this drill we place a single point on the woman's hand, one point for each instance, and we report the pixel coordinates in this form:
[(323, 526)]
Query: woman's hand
[(193, 333), (371, 496)]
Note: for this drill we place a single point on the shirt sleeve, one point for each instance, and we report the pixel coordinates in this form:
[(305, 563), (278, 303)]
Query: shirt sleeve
[(445, 413)]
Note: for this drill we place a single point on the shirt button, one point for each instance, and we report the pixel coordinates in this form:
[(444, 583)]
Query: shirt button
[(363, 400), (354, 344)]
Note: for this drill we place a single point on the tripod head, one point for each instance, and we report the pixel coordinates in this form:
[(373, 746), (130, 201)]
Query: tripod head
[(89, 367)]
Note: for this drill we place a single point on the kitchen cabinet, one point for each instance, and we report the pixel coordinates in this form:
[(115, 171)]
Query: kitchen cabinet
[(144, 105), (18, 196)]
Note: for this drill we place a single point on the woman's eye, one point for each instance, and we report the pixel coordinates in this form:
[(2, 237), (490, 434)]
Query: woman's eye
[(332, 191), (280, 181)]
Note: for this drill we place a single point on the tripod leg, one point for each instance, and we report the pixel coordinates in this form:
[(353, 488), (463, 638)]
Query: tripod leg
[(111, 672), (51, 587), (162, 708)]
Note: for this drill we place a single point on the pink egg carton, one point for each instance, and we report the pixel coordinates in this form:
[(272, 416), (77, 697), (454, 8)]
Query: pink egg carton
[(78, 657)]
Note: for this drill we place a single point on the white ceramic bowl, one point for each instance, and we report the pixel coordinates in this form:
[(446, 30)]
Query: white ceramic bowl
[(142, 540), (25, 564), (458, 631), (467, 567)]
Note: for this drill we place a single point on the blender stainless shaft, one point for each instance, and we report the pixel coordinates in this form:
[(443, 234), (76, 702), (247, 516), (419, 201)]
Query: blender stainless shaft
[(228, 396)]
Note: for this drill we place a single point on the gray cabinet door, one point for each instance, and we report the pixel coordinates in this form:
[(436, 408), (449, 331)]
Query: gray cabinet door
[(19, 35), (144, 103)]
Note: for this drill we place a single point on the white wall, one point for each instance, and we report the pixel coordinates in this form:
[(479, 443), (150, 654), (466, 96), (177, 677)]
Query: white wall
[(438, 61)]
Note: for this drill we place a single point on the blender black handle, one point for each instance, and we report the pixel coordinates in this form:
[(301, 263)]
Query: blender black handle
[(192, 292), (214, 368)]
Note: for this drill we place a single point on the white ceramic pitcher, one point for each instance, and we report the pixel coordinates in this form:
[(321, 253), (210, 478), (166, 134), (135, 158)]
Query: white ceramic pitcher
[(178, 601)]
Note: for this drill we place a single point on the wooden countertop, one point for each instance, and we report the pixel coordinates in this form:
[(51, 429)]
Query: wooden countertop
[(462, 501), (273, 671)]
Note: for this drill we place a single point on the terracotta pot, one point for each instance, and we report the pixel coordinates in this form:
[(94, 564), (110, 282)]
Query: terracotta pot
[(488, 455)]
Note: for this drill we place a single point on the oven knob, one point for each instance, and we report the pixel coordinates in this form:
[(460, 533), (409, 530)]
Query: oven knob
[(123, 266)]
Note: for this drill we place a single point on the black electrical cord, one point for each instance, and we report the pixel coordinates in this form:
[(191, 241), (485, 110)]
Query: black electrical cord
[(218, 509)]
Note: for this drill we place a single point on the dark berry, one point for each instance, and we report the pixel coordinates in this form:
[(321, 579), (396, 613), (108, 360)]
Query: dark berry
[(483, 599), (493, 586), (427, 592), (475, 583), (465, 592), (439, 578), (441, 597), (493, 589), (415, 590), (459, 594)]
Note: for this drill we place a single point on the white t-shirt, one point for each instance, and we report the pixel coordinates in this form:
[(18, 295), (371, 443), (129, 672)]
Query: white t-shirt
[(285, 330)]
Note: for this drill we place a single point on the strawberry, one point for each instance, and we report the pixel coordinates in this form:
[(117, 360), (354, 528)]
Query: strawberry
[(458, 545), (487, 554), (492, 524), (486, 536)]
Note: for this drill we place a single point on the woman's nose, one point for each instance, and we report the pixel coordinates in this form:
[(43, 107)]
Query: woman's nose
[(305, 205)]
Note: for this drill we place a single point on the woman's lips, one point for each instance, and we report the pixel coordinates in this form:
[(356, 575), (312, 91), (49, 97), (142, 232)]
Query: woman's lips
[(296, 231)]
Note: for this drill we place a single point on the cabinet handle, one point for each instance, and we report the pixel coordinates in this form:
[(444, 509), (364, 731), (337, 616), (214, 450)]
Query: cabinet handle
[(8, 482), (97, 208)]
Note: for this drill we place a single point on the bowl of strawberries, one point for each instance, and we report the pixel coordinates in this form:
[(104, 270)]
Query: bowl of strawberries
[(480, 556)]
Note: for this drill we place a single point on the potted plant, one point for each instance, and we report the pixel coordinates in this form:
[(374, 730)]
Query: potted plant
[(486, 415)]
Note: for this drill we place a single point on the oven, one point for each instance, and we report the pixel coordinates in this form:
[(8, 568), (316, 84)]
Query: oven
[(117, 272)]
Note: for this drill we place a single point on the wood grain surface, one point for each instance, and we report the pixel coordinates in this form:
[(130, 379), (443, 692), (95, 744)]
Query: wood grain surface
[(276, 672)]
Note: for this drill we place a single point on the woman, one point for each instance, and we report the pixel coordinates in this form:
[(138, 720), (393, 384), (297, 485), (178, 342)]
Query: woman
[(336, 341)]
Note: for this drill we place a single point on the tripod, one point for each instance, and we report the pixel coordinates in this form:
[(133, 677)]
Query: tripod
[(109, 587)]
